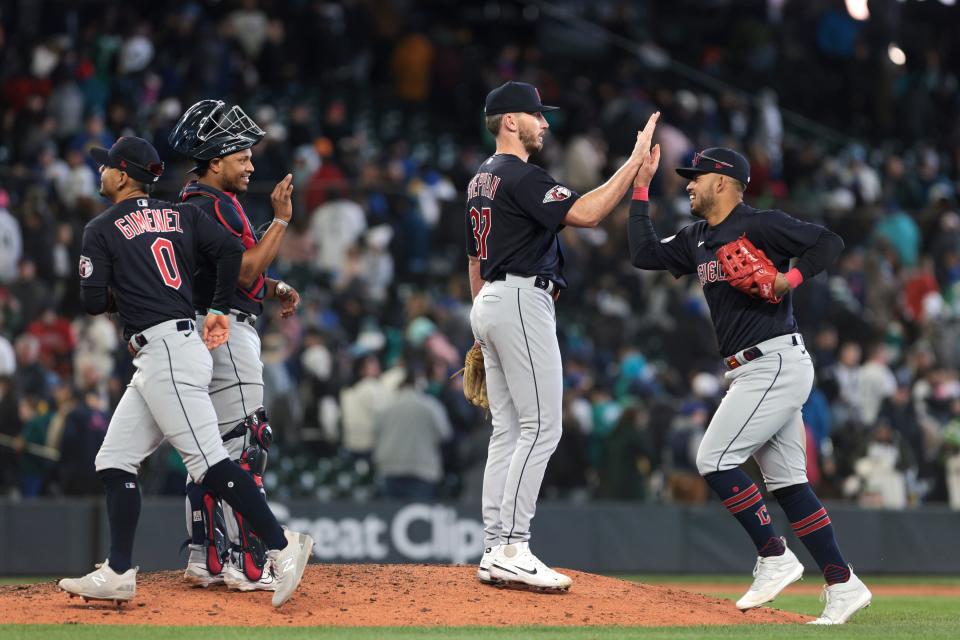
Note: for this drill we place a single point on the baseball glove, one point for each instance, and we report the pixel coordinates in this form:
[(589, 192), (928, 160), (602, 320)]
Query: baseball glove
[(749, 269), (474, 378)]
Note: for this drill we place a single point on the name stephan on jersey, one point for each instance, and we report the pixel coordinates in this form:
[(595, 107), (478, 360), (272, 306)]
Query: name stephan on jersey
[(483, 184), (149, 221)]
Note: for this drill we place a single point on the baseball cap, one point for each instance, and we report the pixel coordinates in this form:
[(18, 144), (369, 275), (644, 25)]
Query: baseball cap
[(720, 160), (515, 97), (132, 155)]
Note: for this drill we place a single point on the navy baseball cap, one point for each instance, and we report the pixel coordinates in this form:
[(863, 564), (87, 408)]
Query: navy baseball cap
[(515, 97), (720, 160), (134, 156)]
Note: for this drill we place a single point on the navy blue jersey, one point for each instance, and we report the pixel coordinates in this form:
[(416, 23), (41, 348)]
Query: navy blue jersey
[(226, 210), (514, 211), (145, 250), (741, 320)]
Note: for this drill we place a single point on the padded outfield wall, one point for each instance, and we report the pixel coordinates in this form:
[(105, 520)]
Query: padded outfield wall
[(59, 537)]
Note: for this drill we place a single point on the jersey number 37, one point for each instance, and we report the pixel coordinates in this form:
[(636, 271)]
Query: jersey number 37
[(480, 221)]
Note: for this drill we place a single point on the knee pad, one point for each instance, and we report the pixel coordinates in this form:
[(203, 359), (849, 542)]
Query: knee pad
[(208, 527)]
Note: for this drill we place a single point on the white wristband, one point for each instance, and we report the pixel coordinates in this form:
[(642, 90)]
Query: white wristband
[(283, 222)]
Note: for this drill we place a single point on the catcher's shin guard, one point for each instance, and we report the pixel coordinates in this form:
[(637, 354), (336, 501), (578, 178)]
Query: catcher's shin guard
[(208, 527), (251, 553)]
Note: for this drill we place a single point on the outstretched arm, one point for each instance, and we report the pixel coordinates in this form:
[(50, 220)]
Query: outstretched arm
[(592, 207)]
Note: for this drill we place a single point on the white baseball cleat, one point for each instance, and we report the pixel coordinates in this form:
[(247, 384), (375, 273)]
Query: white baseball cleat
[(514, 564), (103, 584), (287, 564), (483, 571), (235, 578), (843, 600), (197, 572), (771, 575)]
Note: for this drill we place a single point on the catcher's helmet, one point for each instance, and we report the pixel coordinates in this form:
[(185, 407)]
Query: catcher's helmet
[(206, 131)]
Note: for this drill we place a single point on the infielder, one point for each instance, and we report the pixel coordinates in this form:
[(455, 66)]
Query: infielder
[(223, 547), (138, 257), (742, 258), (514, 211)]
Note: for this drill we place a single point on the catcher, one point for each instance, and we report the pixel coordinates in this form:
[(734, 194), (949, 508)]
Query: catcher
[(742, 256)]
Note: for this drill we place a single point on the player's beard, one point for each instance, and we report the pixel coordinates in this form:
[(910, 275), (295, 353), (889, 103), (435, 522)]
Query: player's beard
[(239, 186), (530, 141), (702, 203)]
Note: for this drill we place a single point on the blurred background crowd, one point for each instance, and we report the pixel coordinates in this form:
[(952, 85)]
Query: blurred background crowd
[(852, 121)]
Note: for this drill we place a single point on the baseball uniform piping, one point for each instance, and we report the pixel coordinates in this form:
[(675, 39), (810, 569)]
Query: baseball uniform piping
[(182, 408), (243, 402), (779, 367), (536, 393)]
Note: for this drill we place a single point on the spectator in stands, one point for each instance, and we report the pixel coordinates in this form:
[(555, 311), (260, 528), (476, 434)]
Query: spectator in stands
[(629, 458), (408, 435), (361, 405)]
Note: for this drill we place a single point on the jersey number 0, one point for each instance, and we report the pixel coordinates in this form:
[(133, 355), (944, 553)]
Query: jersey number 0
[(480, 220), (166, 261)]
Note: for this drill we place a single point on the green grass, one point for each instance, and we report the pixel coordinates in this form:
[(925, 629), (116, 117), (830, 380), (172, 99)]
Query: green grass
[(927, 617), (744, 579)]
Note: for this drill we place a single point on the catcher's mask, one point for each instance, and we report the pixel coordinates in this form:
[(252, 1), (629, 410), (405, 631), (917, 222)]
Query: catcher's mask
[(207, 130)]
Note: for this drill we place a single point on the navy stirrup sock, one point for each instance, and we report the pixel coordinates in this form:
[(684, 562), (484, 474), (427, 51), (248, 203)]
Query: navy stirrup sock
[(812, 525), (123, 511), (238, 489), (744, 501)]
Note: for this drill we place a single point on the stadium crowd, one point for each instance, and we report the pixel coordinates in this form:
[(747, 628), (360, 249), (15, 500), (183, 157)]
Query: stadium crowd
[(377, 110)]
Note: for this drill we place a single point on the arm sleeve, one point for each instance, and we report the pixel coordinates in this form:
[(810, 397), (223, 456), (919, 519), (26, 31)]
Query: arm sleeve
[(543, 198), (815, 246), (95, 272), (214, 241), (647, 251)]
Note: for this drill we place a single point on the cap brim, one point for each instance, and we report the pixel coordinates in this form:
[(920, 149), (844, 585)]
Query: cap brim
[(545, 107), (690, 173), (100, 155)]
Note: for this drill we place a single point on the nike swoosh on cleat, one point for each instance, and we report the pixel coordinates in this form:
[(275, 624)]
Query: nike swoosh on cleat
[(503, 568), (533, 573)]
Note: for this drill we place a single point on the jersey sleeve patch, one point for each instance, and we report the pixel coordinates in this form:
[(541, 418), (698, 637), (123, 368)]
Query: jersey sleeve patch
[(86, 267), (557, 193)]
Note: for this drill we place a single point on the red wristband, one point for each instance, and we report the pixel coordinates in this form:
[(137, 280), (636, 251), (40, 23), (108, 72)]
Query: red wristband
[(794, 278), (641, 193)]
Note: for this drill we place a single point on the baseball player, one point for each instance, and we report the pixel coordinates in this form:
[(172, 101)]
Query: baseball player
[(742, 257), (514, 211), (223, 547), (138, 258)]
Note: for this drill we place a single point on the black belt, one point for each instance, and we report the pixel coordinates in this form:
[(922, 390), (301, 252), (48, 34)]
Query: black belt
[(540, 283), (241, 316), (750, 354), (139, 341)]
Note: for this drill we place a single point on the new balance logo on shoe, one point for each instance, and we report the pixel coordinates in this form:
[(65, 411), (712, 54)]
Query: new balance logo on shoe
[(98, 579), (288, 564)]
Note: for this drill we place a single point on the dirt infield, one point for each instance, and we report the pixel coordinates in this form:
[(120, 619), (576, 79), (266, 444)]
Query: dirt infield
[(387, 595)]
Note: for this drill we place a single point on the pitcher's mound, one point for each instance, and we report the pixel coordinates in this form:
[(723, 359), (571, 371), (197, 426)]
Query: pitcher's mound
[(386, 595)]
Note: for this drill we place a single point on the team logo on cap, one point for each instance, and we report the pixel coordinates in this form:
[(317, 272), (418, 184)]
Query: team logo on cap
[(86, 267), (557, 194)]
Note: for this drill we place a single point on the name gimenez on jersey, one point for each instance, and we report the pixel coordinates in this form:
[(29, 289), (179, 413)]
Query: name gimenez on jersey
[(143, 221), (483, 184)]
